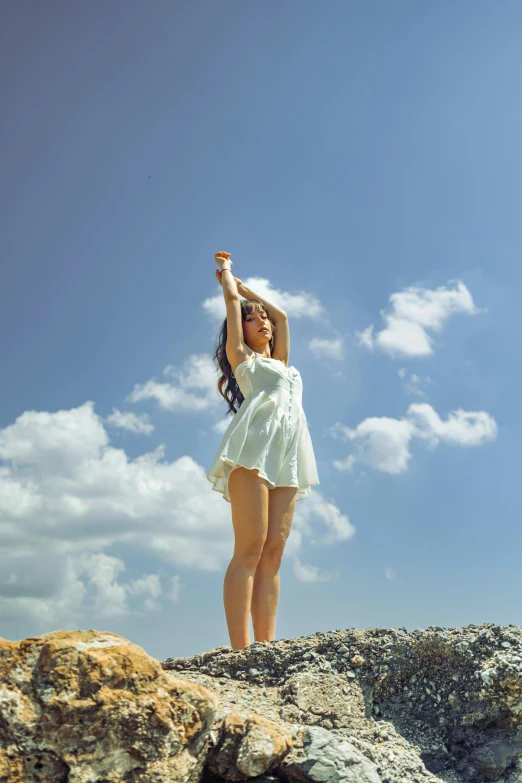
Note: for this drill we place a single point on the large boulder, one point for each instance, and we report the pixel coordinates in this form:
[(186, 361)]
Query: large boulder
[(90, 707)]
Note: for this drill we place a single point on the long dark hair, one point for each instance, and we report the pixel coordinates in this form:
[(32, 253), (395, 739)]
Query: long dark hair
[(227, 384)]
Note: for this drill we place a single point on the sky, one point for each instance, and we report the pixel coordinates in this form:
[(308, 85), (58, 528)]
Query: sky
[(362, 163)]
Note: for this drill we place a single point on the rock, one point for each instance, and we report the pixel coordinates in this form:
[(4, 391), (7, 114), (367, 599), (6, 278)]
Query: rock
[(319, 697), (424, 706), (247, 748), (444, 720), (327, 758), (89, 706)]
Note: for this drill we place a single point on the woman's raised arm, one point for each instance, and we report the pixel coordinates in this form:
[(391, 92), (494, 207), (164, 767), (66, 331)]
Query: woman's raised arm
[(230, 290), (275, 313), (233, 286), (235, 347)]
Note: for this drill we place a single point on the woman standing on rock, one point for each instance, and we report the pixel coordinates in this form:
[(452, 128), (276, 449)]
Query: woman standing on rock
[(265, 462)]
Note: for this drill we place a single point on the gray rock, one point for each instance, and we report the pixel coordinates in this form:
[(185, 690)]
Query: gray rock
[(327, 758)]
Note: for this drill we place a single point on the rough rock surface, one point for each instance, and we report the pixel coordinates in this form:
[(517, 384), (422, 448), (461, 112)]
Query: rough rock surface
[(368, 706), (90, 707), (381, 705)]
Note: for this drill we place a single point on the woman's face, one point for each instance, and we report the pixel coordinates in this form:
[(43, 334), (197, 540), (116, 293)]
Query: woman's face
[(253, 327)]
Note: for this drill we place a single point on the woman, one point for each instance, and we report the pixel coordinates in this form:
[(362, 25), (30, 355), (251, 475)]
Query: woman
[(265, 462)]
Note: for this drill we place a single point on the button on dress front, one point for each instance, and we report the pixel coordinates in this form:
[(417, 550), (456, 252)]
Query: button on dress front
[(269, 431)]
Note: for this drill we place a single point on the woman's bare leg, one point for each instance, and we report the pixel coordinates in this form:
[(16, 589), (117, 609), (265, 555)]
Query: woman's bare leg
[(265, 593), (249, 500)]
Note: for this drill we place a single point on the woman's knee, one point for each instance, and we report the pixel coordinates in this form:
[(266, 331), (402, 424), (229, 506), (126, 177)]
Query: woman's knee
[(272, 554), (249, 556)]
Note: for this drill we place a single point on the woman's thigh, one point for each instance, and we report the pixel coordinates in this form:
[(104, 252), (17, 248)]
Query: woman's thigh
[(249, 498), (281, 509)]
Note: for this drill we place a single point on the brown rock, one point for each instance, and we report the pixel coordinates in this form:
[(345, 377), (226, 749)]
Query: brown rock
[(248, 747), (89, 705)]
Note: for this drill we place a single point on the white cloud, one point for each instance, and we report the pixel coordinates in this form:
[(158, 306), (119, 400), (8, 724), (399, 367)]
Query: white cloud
[(389, 574), (412, 314), (383, 443), (327, 349), (345, 464), (150, 587), (366, 337), (336, 529), (413, 383), (47, 586), (110, 598), (194, 386), (127, 420), (67, 496), (103, 571), (462, 428), (316, 507), (301, 305), (221, 425), (309, 573)]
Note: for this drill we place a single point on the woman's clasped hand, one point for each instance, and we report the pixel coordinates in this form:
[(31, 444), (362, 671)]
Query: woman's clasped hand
[(219, 258)]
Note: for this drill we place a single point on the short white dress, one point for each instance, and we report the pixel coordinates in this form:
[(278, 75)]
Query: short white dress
[(269, 431)]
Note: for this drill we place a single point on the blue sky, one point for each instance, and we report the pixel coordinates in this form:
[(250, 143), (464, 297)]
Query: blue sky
[(362, 163)]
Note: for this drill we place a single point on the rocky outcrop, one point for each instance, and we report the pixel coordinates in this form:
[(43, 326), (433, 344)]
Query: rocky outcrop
[(367, 706), (382, 704), (89, 707)]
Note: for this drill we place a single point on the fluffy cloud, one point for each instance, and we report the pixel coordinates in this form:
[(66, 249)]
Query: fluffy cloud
[(383, 443), (337, 526), (67, 496), (126, 420), (329, 349), (193, 386), (309, 573), (301, 305), (461, 428), (221, 425), (48, 586), (415, 312)]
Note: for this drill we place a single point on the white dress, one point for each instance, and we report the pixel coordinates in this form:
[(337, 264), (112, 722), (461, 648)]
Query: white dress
[(269, 431)]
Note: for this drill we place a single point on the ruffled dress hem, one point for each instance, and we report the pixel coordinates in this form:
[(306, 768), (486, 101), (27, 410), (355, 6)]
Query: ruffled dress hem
[(220, 482)]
